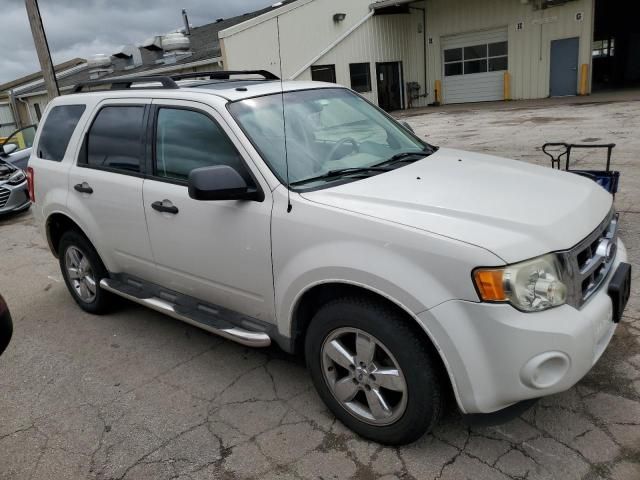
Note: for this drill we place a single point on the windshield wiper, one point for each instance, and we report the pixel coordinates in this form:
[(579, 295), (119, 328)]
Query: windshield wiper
[(340, 172), (378, 167), (405, 157)]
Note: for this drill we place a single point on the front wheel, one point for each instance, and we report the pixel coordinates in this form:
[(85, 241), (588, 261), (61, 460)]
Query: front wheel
[(373, 370)]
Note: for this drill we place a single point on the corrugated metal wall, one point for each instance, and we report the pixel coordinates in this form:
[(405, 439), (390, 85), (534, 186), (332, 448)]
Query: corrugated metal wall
[(529, 48), (384, 38), (7, 122), (309, 29), (306, 29)]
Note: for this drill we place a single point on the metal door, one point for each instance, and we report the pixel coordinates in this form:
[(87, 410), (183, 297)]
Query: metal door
[(564, 67), (389, 86)]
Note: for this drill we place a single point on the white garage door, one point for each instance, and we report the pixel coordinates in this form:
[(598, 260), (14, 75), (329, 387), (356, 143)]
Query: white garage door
[(474, 65)]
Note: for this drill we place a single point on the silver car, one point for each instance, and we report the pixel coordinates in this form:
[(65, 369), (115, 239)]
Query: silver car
[(14, 194), (17, 146)]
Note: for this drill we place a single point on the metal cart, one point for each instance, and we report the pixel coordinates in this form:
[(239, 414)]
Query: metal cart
[(607, 179)]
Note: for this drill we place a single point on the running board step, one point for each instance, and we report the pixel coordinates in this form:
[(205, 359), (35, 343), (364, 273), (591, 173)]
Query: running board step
[(224, 329)]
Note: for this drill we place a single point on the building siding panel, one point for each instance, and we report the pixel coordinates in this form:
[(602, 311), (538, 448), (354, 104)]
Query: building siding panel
[(309, 29), (529, 48), (384, 38)]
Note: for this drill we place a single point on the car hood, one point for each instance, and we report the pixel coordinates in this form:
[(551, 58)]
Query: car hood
[(6, 170), (514, 209)]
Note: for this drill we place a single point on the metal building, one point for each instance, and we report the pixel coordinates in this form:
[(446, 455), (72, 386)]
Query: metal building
[(403, 53)]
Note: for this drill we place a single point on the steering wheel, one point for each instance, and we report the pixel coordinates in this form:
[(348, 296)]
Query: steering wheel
[(339, 145), (298, 129), (303, 157)]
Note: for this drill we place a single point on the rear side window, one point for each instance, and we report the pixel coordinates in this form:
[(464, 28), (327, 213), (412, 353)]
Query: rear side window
[(57, 130), (115, 139)]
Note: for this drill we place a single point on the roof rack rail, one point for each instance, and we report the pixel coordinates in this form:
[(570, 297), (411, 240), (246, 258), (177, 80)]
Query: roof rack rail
[(169, 81), (124, 83), (225, 74)]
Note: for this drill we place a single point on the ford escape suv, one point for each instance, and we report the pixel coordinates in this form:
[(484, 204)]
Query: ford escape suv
[(299, 214)]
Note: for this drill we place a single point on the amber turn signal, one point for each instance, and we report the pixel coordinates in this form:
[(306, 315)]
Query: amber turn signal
[(490, 285)]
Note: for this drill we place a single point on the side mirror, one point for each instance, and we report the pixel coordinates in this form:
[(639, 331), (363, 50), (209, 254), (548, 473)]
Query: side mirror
[(407, 126), (9, 148), (221, 182)]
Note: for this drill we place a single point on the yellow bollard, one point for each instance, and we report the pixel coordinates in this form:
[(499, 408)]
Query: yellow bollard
[(584, 79), (507, 86), (438, 92)]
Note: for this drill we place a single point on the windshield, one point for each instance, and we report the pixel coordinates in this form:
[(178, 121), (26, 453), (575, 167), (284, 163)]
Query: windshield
[(328, 130)]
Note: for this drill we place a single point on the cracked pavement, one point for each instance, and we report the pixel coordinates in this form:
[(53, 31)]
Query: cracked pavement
[(137, 395)]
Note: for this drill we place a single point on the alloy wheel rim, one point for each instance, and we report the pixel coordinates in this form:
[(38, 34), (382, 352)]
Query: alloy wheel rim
[(363, 376), (80, 274)]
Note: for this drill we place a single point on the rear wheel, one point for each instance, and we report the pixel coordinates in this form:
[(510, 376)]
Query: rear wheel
[(373, 370), (82, 270)]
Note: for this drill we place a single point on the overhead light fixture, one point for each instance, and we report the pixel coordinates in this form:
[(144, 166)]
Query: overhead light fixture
[(338, 17)]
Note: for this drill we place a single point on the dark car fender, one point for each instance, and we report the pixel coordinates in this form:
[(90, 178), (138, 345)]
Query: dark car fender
[(6, 325)]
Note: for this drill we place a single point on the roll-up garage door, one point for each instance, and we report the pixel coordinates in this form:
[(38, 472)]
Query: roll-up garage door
[(474, 66)]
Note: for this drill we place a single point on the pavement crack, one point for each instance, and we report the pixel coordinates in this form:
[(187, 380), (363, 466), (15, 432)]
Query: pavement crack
[(455, 457), (162, 445), (20, 430)]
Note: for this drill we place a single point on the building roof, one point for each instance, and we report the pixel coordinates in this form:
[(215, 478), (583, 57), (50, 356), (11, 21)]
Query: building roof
[(205, 45), (260, 16), (61, 67)]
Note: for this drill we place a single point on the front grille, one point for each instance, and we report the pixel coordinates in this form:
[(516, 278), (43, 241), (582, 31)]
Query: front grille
[(4, 196), (588, 264)]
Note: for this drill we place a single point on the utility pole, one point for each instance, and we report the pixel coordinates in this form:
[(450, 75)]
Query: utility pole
[(42, 48)]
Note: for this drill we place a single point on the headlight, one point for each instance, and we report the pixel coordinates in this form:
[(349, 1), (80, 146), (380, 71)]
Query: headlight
[(531, 286), (17, 178)]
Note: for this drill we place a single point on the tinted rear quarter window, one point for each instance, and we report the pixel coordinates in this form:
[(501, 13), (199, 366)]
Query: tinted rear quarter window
[(115, 138), (57, 130)]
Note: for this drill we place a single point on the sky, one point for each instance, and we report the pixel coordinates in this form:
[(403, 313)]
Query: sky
[(81, 28)]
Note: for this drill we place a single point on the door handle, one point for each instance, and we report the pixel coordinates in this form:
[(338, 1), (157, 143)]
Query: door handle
[(83, 187), (165, 206)]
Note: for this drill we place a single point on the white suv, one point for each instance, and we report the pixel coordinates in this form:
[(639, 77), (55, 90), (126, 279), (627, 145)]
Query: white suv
[(401, 270)]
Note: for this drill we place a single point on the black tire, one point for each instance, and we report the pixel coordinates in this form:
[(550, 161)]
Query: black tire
[(421, 370), (103, 300)]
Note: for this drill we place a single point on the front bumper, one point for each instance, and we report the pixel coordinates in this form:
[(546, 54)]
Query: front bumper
[(14, 198), (497, 356)]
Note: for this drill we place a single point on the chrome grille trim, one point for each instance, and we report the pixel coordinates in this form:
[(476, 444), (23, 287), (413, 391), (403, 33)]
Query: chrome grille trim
[(588, 264), (4, 196)]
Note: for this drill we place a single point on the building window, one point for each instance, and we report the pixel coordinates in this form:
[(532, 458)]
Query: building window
[(604, 48), (36, 107), (491, 57), (323, 73), (360, 77)]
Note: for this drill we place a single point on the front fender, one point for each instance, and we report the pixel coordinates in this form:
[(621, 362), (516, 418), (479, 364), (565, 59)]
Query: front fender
[(389, 278), (315, 243)]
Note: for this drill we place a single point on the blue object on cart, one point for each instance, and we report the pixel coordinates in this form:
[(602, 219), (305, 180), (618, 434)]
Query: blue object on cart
[(607, 179)]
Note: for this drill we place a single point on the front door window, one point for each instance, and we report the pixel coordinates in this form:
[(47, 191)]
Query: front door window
[(186, 139)]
